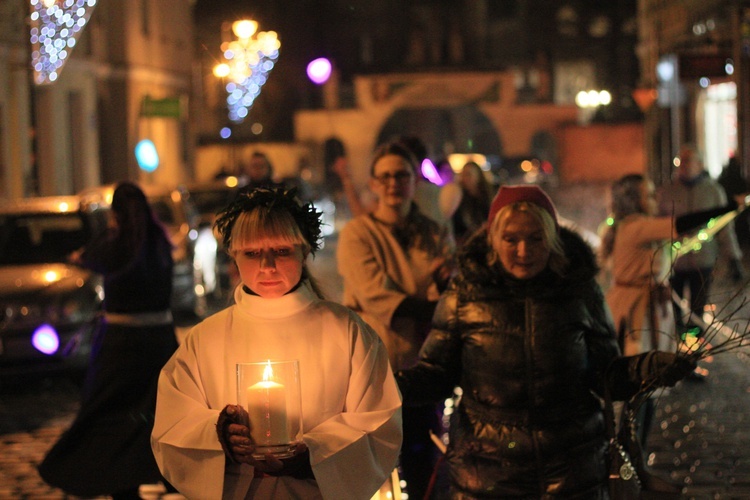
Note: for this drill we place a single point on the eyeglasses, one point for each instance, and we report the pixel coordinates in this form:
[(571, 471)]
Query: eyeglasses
[(400, 177)]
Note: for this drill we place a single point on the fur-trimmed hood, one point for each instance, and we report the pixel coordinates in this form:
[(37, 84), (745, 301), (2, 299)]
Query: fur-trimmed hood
[(474, 272)]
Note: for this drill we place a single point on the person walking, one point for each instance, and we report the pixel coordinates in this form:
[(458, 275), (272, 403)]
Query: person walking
[(524, 331), (638, 244), (393, 262), (737, 188), (351, 407), (693, 190), (106, 450), (476, 196)]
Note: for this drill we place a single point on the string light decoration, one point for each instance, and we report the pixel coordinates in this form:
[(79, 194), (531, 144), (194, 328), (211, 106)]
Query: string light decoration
[(248, 60), (55, 28)]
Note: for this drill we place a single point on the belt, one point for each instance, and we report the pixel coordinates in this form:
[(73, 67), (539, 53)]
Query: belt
[(633, 285), (156, 318)]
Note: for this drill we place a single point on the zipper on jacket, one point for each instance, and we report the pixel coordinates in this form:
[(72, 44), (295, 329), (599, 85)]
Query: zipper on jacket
[(528, 343)]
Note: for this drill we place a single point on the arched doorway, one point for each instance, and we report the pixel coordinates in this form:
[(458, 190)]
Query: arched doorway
[(459, 129)]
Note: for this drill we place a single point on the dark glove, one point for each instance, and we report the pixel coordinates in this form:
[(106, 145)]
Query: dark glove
[(665, 369), (233, 429)]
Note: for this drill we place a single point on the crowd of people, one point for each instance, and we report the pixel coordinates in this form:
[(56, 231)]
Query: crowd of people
[(475, 289)]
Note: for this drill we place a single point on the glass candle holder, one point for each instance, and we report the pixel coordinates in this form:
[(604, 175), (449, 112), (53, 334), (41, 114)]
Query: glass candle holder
[(270, 392)]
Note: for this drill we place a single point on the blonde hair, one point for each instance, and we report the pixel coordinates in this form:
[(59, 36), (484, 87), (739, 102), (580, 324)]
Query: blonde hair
[(266, 222), (558, 262)]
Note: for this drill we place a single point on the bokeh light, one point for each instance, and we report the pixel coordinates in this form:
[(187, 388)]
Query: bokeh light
[(319, 70), (45, 340), (146, 155)]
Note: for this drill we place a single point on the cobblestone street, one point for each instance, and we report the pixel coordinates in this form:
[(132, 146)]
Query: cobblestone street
[(32, 417)]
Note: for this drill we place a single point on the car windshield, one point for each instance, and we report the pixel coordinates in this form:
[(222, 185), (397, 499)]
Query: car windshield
[(41, 238), (211, 202)]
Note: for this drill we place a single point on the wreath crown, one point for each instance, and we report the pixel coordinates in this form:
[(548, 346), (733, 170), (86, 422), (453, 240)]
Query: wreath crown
[(304, 214)]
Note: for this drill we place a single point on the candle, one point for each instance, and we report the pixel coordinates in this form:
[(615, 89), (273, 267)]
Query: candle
[(266, 407)]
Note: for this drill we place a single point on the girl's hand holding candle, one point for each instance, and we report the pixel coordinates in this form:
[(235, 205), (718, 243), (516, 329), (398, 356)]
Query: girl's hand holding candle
[(233, 429)]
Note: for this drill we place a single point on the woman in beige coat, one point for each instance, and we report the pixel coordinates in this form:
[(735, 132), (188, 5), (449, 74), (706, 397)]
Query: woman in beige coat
[(392, 261), (638, 244)]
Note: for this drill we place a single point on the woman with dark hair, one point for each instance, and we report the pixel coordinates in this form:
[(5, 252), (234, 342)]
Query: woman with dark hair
[(476, 196), (638, 244), (392, 261), (106, 451), (524, 331)]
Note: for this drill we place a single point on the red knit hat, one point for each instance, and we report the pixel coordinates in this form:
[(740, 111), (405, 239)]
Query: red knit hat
[(507, 195)]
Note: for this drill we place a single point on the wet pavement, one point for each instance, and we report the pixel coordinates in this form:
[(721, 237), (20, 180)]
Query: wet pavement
[(700, 437)]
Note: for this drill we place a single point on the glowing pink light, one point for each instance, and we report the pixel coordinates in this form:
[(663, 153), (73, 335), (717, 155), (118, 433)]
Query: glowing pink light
[(319, 70), (430, 172), (45, 340)]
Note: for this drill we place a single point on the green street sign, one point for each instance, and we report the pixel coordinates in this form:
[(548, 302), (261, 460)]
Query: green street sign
[(170, 107)]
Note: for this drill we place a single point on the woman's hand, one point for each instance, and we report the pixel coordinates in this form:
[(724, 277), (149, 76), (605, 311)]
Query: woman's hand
[(233, 428), (298, 465), (442, 271), (340, 167), (665, 369)]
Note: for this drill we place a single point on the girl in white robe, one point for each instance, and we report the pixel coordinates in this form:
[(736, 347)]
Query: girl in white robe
[(351, 407)]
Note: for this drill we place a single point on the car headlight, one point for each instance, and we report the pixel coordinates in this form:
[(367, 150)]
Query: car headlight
[(17, 312)]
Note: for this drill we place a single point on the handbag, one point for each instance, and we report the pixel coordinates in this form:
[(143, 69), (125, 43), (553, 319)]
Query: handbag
[(623, 481), (652, 487)]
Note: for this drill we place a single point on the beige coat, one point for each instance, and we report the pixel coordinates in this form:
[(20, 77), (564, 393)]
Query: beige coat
[(378, 275), (640, 262)]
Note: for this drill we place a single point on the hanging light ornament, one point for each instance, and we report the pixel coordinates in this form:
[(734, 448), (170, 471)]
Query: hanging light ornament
[(248, 60), (56, 26)]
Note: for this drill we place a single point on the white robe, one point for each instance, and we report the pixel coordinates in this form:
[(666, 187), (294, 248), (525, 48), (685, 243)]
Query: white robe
[(351, 405)]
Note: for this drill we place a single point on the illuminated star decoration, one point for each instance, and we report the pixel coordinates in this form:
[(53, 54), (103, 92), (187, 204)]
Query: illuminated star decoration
[(55, 28), (249, 59)]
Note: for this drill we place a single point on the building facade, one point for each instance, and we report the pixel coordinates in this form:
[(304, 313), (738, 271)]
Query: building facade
[(497, 78), (694, 57), (128, 78)]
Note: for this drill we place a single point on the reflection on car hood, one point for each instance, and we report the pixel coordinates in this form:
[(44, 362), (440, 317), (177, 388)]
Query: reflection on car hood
[(52, 278)]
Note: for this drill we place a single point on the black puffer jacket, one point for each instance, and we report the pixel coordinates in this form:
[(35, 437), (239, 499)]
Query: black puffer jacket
[(527, 354)]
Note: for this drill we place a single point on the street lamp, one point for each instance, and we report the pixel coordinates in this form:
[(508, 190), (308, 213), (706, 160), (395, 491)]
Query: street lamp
[(247, 61), (593, 98), (588, 101)]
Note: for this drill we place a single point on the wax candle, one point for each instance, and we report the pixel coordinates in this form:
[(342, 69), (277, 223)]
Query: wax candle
[(266, 407)]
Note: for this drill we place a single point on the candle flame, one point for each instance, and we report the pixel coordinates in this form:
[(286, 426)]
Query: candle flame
[(268, 372)]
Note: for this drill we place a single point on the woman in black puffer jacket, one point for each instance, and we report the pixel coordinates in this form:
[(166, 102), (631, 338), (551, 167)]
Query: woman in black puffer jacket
[(525, 332)]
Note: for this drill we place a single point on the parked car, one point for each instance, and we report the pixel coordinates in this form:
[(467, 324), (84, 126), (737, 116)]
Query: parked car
[(49, 308), (209, 198), (181, 219)]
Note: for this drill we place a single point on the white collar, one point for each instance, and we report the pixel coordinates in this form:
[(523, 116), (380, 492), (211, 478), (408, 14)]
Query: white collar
[(281, 307)]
